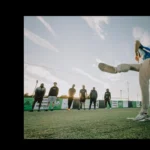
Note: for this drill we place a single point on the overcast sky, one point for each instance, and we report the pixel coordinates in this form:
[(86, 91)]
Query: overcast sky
[(67, 50)]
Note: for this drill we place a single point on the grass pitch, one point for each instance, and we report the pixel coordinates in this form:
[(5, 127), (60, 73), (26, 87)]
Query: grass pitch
[(85, 124)]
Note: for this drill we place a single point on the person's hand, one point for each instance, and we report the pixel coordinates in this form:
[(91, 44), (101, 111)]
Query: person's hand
[(137, 58)]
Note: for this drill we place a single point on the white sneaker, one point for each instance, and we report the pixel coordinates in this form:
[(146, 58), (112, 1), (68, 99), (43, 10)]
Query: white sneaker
[(140, 116), (146, 119), (107, 68)]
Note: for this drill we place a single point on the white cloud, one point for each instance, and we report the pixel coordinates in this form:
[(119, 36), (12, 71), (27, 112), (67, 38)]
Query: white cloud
[(80, 71), (38, 40), (33, 73), (47, 25), (94, 65), (112, 77), (99, 60), (96, 23), (142, 35)]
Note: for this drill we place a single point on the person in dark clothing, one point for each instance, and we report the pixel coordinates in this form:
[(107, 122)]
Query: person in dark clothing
[(52, 96), (38, 97), (71, 93), (107, 98), (93, 97), (83, 96)]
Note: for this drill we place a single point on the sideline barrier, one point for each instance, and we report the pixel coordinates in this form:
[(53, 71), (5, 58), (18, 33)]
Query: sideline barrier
[(63, 104)]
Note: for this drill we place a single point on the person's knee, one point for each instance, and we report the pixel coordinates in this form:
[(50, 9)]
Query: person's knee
[(137, 43), (123, 68)]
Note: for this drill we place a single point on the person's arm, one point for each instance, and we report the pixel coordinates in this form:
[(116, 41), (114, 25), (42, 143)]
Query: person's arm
[(90, 94), (49, 91), (96, 94), (44, 91), (104, 95), (57, 91), (137, 46), (80, 93), (35, 92), (86, 94), (74, 92), (110, 96), (68, 92)]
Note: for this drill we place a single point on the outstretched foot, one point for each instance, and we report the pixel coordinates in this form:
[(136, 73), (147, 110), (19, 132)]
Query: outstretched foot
[(141, 116), (107, 68)]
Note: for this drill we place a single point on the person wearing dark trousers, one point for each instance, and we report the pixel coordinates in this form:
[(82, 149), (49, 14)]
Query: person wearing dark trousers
[(107, 98), (38, 97), (71, 93), (93, 97), (83, 96)]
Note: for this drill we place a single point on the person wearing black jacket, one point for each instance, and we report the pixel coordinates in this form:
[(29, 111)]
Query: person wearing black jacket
[(38, 97), (71, 93), (52, 96), (107, 98), (93, 97)]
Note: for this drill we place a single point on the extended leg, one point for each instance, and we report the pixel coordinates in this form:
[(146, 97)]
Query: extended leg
[(119, 68), (144, 77)]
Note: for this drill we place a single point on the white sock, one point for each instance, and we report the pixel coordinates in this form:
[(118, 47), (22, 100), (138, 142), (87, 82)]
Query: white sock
[(118, 69)]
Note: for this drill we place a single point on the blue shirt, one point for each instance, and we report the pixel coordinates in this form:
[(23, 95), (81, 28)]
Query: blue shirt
[(144, 52)]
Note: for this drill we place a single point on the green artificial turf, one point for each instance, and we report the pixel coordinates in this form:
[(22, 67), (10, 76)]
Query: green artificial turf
[(85, 124)]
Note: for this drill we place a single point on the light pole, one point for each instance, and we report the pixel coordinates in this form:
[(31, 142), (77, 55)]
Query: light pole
[(137, 96), (35, 88), (128, 89), (121, 94)]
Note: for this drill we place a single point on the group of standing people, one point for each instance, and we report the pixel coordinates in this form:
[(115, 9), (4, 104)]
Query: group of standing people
[(82, 97), (53, 93), (39, 94), (144, 78)]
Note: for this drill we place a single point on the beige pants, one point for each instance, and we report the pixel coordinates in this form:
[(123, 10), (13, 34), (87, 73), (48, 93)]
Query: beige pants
[(144, 79)]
